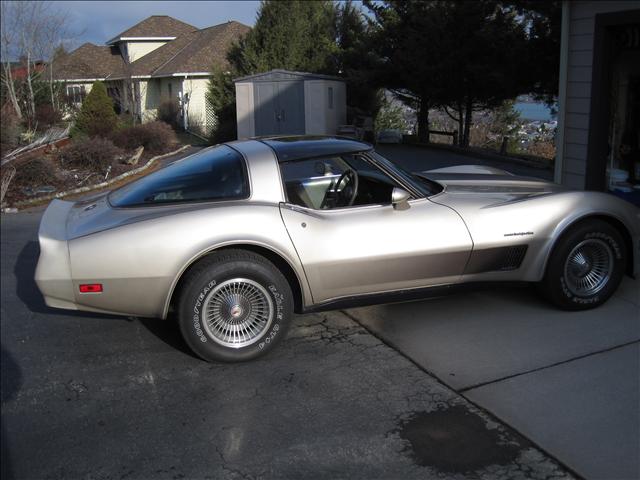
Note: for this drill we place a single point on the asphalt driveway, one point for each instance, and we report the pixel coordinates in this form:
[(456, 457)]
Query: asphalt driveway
[(102, 397)]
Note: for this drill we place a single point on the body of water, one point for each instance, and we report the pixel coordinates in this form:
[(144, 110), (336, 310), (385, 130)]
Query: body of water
[(534, 111)]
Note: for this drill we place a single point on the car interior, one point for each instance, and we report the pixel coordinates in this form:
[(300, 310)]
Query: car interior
[(336, 182)]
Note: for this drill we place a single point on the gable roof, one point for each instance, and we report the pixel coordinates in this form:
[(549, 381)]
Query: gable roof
[(209, 47), (193, 52), (89, 61), (155, 26)]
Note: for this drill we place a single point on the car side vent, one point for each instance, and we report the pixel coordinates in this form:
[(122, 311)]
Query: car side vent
[(512, 259), (499, 259)]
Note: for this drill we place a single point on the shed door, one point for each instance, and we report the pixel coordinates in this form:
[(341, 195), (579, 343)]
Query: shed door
[(279, 108), (291, 104), (266, 106)]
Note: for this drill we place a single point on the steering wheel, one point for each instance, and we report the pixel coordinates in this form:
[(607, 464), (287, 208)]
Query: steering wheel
[(351, 177), (334, 198)]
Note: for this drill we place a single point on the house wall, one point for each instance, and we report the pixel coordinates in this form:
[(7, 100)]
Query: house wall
[(197, 87), (155, 91), (87, 85), (575, 86), (135, 50), (149, 99)]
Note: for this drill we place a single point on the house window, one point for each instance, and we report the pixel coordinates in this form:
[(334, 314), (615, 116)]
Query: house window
[(330, 97), (170, 88), (75, 94)]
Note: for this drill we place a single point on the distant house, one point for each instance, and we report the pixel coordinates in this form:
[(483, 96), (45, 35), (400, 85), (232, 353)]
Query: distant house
[(160, 59), (19, 69), (599, 101)]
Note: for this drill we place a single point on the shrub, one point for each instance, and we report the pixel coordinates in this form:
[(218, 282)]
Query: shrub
[(541, 148), (125, 120), (97, 116), (46, 116), (155, 137), (168, 112), (94, 153), (34, 172), (221, 100)]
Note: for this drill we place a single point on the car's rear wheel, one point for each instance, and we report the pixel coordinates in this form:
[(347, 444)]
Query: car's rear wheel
[(234, 306), (585, 267)]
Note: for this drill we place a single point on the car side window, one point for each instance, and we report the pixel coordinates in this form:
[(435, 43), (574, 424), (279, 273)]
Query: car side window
[(335, 182), (214, 174)]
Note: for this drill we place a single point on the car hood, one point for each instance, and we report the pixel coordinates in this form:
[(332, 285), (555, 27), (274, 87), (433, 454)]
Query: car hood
[(489, 186)]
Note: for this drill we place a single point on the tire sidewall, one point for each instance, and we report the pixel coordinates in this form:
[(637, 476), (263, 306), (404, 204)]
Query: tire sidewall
[(560, 292), (195, 294)]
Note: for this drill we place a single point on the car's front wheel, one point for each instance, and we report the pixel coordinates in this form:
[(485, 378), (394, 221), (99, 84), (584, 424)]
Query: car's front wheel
[(234, 306), (585, 267)]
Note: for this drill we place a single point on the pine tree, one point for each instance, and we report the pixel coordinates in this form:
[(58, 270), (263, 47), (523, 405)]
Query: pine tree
[(292, 35), (97, 116), (221, 98)]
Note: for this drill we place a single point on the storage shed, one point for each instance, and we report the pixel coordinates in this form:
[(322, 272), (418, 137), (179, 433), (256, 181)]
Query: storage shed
[(290, 103)]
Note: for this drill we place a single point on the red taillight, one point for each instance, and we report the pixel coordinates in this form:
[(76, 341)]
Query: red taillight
[(91, 288)]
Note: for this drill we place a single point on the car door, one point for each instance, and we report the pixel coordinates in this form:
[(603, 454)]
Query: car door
[(377, 248)]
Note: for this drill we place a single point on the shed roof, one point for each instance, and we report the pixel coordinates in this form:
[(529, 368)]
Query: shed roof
[(279, 74)]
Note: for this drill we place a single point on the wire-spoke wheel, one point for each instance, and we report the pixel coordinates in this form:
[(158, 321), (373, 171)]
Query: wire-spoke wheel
[(237, 312), (588, 267), (235, 305)]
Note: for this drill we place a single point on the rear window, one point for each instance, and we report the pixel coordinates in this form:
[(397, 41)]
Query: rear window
[(216, 174)]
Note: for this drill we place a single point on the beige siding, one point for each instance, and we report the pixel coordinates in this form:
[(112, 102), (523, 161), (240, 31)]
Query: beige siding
[(197, 107), (575, 136), (155, 91), (136, 50), (149, 99)]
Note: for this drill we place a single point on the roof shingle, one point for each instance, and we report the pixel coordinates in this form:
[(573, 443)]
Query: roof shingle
[(194, 52), (209, 47), (156, 26), (89, 61)]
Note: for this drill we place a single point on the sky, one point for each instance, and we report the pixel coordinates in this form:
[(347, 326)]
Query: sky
[(97, 21)]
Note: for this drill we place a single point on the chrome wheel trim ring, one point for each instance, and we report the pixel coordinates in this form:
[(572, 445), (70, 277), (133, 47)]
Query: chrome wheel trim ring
[(237, 313), (588, 267)]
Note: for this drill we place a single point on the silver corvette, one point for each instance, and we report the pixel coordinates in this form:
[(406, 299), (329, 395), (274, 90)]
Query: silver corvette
[(237, 237)]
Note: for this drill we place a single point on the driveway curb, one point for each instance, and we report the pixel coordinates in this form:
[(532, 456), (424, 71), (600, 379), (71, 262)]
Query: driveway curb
[(98, 186)]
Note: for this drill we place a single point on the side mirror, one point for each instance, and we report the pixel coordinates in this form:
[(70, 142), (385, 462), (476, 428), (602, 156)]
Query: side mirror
[(400, 198)]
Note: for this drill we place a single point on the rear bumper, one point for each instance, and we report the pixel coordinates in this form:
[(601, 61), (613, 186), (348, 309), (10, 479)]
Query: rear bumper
[(53, 273)]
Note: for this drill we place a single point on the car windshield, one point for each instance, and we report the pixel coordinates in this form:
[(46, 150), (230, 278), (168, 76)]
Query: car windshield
[(218, 173), (424, 186)]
